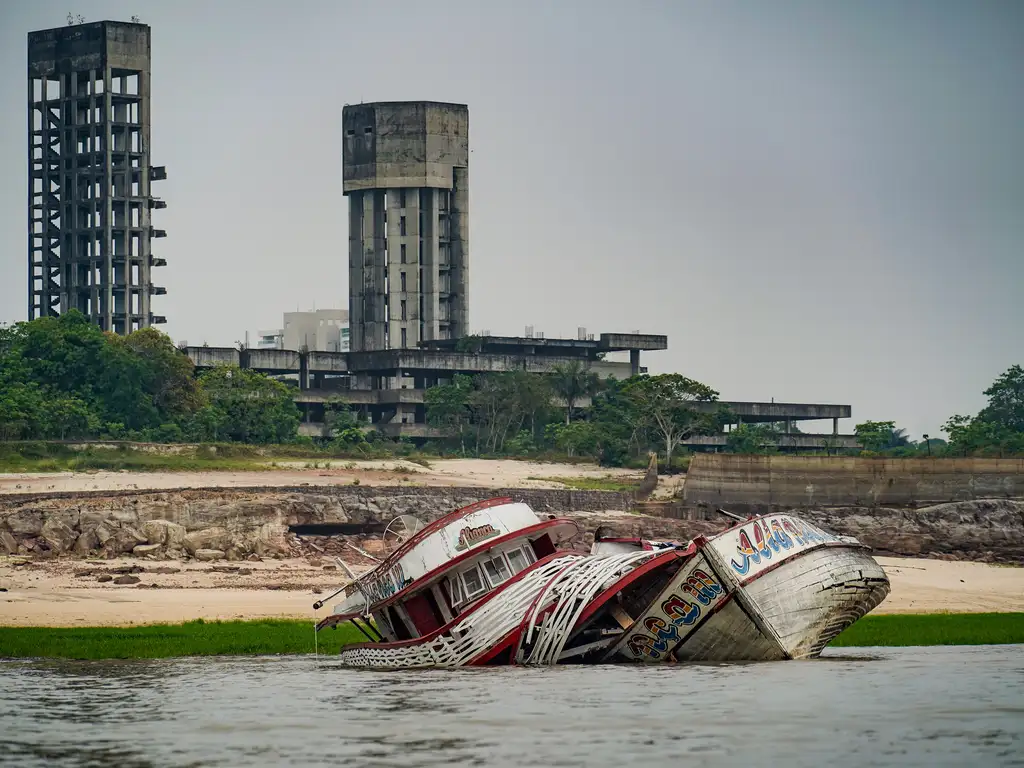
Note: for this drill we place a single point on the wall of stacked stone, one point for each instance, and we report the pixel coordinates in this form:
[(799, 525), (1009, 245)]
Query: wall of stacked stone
[(238, 522)]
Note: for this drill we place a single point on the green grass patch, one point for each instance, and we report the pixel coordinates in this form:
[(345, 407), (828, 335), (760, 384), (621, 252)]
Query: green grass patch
[(158, 641), (271, 637), (607, 483), (934, 629), (42, 456)]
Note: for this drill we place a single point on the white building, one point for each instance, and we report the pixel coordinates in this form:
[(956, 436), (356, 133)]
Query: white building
[(322, 330), (270, 339)]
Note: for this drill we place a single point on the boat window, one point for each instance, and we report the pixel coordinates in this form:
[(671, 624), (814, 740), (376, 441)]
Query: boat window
[(517, 559), (473, 582), (455, 589), (497, 570)]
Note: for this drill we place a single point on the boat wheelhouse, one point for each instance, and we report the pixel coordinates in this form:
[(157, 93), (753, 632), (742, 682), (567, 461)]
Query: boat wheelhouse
[(493, 583)]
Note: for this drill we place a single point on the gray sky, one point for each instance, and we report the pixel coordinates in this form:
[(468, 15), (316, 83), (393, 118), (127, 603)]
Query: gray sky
[(816, 201)]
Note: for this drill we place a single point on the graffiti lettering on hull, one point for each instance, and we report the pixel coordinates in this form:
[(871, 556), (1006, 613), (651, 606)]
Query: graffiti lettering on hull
[(381, 586), (691, 595), (765, 539)]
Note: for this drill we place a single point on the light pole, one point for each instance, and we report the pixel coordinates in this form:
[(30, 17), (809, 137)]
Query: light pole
[(928, 443)]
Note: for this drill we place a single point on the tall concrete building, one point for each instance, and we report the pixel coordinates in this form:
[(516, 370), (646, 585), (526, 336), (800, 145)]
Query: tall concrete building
[(406, 176), (89, 194)]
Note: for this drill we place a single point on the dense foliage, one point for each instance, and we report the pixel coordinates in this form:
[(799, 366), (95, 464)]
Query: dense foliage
[(998, 429), (518, 413), (64, 378)]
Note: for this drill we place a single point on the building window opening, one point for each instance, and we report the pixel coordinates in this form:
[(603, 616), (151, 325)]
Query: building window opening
[(402, 280), (403, 253), (401, 226)]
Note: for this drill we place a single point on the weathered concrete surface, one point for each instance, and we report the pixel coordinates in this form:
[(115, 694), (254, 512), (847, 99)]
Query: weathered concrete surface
[(763, 482)]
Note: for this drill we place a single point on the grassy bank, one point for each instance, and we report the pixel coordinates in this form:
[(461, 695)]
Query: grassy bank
[(143, 457), (193, 638), (257, 638), (935, 629)]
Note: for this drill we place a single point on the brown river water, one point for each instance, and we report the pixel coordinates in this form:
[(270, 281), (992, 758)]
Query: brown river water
[(947, 706)]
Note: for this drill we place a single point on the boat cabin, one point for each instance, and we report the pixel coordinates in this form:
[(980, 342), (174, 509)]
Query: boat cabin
[(448, 567)]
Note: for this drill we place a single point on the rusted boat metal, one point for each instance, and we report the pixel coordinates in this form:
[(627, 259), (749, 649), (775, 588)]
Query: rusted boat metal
[(494, 583)]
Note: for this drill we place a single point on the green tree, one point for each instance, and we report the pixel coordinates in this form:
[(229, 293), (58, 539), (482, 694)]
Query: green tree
[(496, 409), (573, 381), (874, 435), (447, 407), (665, 404), (998, 429), (578, 438), (1006, 400), (246, 406), (533, 395), (752, 438), (341, 423)]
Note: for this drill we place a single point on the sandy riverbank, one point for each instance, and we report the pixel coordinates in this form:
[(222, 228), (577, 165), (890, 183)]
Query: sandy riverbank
[(445, 472), (48, 593)]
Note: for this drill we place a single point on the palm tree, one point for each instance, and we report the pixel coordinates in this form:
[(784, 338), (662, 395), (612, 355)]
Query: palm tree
[(572, 381), (898, 438)]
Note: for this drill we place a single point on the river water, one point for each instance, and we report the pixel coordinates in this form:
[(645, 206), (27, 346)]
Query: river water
[(950, 706)]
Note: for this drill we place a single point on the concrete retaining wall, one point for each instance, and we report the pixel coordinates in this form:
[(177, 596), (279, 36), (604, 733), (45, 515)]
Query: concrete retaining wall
[(820, 481)]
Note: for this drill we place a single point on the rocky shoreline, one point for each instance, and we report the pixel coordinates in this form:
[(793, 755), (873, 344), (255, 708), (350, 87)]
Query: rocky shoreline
[(218, 524)]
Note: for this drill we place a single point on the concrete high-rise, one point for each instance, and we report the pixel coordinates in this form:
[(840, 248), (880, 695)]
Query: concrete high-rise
[(406, 176), (89, 195)]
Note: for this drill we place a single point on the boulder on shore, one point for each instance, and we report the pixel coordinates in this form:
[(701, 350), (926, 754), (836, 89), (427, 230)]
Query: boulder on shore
[(208, 538), (143, 550), (207, 555), (59, 536), (165, 533)]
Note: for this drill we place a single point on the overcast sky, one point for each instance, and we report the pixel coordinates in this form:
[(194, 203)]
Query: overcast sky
[(816, 201)]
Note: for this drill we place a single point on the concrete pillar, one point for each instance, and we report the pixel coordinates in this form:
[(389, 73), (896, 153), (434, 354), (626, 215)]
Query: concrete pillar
[(367, 272), (459, 253), (403, 276), (428, 241), (634, 362), (835, 426), (356, 288)]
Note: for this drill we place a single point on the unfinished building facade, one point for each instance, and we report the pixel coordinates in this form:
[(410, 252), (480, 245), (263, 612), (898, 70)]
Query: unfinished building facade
[(89, 198), (406, 176)]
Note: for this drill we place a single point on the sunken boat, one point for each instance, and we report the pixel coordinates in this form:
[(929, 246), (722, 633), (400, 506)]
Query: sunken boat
[(494, 583)]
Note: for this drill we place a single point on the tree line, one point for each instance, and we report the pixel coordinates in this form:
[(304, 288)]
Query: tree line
[(63, 378), (521, 414)]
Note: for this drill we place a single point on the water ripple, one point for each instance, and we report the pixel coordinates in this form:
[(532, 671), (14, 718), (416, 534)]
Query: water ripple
[(935, 707)]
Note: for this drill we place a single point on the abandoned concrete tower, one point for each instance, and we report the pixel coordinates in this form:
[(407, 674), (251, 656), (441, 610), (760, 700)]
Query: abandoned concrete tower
[(406, 176), (89, 175)]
